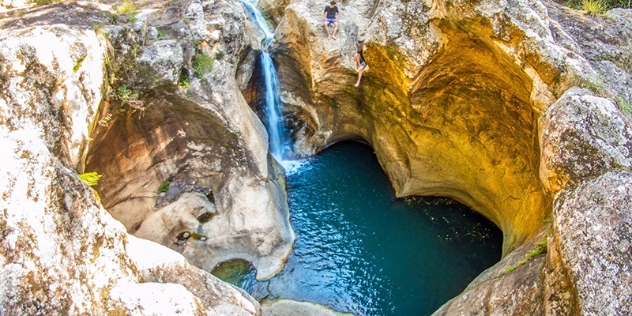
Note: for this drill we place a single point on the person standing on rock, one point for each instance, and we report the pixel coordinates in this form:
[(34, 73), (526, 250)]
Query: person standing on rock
[(331, 17), (360, 62)]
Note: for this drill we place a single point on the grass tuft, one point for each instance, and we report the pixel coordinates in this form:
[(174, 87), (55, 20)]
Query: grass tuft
[(540, 248), (125, 7), (164, 187), (202, 63), (90, 178), (624, 105), (594, 6)]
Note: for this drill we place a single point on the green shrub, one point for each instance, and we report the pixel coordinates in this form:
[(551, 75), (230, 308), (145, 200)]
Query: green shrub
[(78, 64), (90, 178), (164, 187), (540, 248), (595, 86), (202, 63), (125, 94), (183, 81), (127, 6), (624, 105), (132, 17)]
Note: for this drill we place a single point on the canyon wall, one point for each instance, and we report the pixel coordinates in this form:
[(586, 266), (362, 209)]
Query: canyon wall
[(482, 102)]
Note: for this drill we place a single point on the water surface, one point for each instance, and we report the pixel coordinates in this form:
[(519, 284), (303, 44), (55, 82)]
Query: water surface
[(360, 250)]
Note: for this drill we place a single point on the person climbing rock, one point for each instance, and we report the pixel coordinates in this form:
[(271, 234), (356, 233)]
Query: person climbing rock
[(360, 62), (331, 17)]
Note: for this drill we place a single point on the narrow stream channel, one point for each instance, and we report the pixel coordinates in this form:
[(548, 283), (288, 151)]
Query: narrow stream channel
[(360, 250)]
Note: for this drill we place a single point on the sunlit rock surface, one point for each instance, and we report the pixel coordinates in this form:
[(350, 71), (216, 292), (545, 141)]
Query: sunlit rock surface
[(62, 253), (472, 101), (195, 130), (450, 101)]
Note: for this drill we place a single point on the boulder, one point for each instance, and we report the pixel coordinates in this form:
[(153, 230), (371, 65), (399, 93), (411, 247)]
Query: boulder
[(593, 226), (583, 136), (164, 58)]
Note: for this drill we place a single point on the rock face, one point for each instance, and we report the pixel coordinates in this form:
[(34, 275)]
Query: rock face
[(62, 253), (192, 127), (583, 136), (506, 106), (593, 227), (475, 101), (450, 101)]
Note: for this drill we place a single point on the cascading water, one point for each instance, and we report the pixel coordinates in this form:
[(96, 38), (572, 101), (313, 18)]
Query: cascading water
[(280, 146)]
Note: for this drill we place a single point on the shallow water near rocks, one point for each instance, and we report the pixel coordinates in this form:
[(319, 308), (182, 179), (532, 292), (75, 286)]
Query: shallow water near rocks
[(360, 250)]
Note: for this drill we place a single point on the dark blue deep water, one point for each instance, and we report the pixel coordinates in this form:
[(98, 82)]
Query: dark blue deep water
[(360, 250)]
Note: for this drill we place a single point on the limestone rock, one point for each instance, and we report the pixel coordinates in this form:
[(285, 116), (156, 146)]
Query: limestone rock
[(150, 299), (202, 137), (13, 4), (605, 41), (63, 65), (593, 225), (582, 136), (164, 58), (450, 101), (156, 263), (471, 100), (61, 253), (285, 307)]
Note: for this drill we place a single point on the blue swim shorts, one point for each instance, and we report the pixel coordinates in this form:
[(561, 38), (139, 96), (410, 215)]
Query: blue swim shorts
[(331, 21)]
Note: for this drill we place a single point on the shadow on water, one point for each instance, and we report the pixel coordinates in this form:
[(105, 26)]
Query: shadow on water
[(360, 250)]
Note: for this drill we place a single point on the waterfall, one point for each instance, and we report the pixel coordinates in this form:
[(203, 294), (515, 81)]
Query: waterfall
[(280, 142)]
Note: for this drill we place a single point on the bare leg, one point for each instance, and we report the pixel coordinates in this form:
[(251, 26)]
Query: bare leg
[(360, 71), (327, 29), (335, 30)]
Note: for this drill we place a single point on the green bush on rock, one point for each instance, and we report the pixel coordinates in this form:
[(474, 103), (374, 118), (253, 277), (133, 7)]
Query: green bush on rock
[(597, 6), (202, 63)]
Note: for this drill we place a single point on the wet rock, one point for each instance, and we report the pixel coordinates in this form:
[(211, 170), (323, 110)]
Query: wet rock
[(289, 307)]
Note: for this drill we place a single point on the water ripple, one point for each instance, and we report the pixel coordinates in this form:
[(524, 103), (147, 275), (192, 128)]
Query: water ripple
[(360, 250)]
